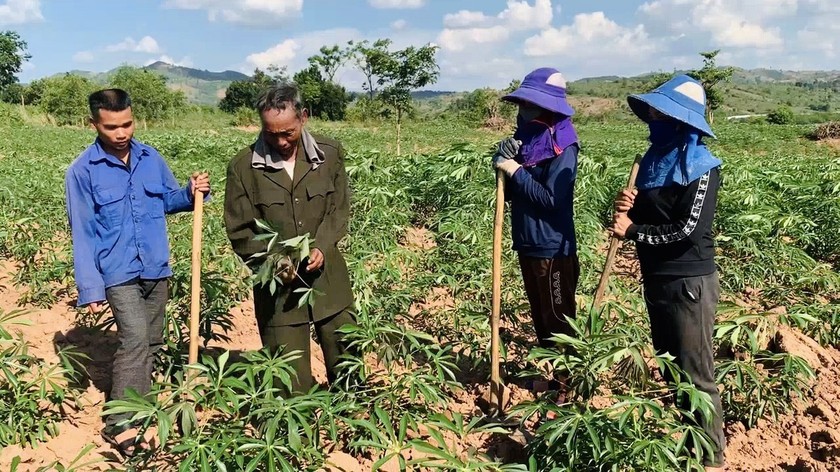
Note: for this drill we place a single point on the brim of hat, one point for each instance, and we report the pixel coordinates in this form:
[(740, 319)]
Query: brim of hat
[(665, 105), (540, 99)]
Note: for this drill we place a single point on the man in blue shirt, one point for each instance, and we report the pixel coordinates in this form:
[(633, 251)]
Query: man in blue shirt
[(118, 191), (540, 162)]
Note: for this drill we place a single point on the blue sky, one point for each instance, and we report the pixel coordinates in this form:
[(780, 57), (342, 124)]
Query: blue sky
[(482, 42)]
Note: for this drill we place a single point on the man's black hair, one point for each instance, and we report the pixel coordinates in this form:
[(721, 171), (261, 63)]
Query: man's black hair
[(109, 99), (279, 97)]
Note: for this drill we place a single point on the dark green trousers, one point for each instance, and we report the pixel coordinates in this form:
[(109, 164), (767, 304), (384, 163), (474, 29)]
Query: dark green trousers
[(297, 338)]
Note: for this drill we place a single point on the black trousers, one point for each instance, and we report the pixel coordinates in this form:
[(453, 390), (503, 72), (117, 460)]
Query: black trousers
[(550, 285), (682, 318)]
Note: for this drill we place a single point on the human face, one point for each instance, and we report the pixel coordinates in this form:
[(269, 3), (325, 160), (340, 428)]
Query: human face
[(115, 129), (529, 112), (281, 129), (656, 115)]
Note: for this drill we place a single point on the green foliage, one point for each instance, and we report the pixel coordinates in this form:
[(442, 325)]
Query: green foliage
[(781, 116), (244, 93), (12, 56), (372, 60), (710, 75), (150, 98), (65, 98), (324, 98), (776, 231), (32, 392)]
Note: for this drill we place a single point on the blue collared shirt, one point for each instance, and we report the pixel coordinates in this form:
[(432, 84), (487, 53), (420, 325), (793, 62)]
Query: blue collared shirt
[(117, 217)]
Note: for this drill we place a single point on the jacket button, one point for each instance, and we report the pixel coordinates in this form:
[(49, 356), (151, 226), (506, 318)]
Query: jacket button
[(297, 200), (300, 223)]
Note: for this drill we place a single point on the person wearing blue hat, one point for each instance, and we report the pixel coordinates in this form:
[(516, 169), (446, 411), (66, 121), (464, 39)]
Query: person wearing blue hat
[(540, 162), (670, 219)]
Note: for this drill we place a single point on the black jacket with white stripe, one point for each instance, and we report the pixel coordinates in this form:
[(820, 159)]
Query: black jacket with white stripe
[(672, 227)]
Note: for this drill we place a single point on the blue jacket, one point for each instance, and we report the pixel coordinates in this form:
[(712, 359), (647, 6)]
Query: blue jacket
[(117, 217), (542, 214)]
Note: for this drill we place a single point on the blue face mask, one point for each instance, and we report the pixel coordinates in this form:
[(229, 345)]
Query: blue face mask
[(663, 132)]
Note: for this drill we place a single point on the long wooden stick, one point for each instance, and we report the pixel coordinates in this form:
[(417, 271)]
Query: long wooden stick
[(496, 396), (605, 274), (195, 305)]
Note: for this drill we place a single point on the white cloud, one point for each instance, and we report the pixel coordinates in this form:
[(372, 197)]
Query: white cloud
[(523, 16), (279, 55), (465, 19), (460, 32), (592, 36), (247, 12), (83, 57), (18, 12), (399, 25), (147, 44), (397, 3), (729, 24), (184, 62), (460, 39)]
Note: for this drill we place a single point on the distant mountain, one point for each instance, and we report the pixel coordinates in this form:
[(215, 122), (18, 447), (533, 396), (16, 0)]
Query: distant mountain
[(190, 73), (200, 86)]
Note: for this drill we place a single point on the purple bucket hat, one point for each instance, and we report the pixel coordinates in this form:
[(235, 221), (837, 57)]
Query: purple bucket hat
[(545, 88)]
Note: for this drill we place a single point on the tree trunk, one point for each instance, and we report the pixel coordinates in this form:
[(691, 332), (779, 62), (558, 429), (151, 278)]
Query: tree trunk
[(399, 123), (711, 116)]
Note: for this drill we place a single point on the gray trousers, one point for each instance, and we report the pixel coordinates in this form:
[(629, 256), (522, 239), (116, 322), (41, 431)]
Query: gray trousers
[(682, 318), (138, 308)]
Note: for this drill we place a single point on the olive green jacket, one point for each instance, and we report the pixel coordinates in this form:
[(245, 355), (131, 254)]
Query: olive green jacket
[(317, 202)]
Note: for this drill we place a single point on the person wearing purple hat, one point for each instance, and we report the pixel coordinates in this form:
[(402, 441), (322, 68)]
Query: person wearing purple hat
[(670, 219), (540, 162)]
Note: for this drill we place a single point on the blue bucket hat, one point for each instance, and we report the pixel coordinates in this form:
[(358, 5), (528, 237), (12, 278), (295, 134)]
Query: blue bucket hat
[(682, 98), (545, 88)]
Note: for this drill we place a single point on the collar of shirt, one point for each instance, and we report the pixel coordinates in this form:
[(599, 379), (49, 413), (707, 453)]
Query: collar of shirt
[(137, 151)]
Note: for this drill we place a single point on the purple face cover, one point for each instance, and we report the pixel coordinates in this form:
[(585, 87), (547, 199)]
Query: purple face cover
[(542, 141)]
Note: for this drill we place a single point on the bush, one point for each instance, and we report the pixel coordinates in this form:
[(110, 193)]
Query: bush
[(245, 116), (9, 115), (782, 115)]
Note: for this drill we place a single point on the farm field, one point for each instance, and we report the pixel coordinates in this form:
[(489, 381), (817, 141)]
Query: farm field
[(419, 252)]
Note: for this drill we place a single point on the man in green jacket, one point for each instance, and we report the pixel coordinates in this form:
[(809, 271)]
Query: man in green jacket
[(297, 183)]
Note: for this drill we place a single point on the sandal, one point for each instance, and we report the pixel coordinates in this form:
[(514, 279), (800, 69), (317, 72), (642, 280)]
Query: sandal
[(127, 442)]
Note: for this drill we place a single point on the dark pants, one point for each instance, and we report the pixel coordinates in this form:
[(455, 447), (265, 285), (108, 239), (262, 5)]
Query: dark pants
[(550, 285), (296, 338), (138, 307), (682, 318)]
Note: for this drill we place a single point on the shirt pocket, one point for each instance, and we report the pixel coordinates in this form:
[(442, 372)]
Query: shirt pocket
[(110, 204), (154, 204), (270, 207), (317, 192)]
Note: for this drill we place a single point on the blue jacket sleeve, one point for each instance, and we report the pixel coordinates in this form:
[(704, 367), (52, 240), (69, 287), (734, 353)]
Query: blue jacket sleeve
[(176, 199), (80, 212), (561, 174)]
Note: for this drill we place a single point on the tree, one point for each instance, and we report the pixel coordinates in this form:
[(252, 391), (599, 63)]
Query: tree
[(373, 60), (711, 75), (404, 71), (244, 93), (782, 115), (12, 56), (150, 98), (324, 99), (65, 98), (329, 61)]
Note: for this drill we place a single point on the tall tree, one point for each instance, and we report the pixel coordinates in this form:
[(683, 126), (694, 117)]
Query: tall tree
[(710, 76), (244, 93), (406, 70), (12, 56), (65, 98), (150, 98), (373, 60), (324, 99), (329, 61)]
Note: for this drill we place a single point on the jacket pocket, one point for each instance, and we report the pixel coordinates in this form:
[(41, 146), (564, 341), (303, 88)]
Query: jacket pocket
[(154, 204), (316, 204), (110, 204)]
